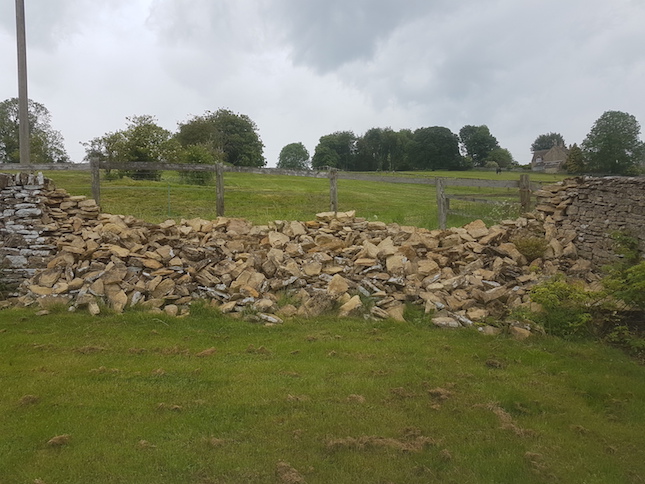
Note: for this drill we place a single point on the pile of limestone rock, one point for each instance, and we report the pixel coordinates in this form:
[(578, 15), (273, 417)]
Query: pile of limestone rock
[(337, 262)]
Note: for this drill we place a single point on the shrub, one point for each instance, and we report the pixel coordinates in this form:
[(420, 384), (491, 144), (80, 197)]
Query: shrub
[(626, 280), (628, 285), (566, 308), (530, 247)]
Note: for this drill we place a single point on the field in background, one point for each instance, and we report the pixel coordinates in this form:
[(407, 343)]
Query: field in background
[(208, 399), (263, 198)]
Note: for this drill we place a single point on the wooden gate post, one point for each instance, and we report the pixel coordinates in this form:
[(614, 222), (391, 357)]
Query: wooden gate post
[(525, 193), (333, 190), (96, 180), (219, 186), (442, 206)]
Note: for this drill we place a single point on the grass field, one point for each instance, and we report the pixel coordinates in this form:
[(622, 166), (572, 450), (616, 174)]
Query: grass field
[(208, 399), (263, 198), (137, 398)]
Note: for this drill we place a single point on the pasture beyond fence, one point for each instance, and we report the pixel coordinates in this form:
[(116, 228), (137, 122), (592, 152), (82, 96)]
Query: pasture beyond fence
[(517, 196)]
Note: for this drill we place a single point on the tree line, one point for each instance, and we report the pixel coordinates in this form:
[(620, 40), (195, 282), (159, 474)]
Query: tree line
[(213, 137), (383, 149), (612, 146)]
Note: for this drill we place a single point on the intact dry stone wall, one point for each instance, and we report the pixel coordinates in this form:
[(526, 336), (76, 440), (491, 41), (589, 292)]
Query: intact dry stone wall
[(31, 210), (590, 210)]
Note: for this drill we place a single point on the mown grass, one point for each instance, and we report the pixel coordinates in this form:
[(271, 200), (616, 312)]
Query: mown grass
[(340, 400), (264, 198)]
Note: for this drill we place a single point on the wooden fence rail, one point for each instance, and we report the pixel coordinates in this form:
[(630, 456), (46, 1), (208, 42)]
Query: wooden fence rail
[(443, 200), (524, 187)]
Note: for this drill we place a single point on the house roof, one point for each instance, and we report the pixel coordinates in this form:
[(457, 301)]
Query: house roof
[(538, 154), (556, 153)]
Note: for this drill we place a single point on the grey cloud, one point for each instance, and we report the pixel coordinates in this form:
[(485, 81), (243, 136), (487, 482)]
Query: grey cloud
[(326, 34), (49, 22), (208, 25)]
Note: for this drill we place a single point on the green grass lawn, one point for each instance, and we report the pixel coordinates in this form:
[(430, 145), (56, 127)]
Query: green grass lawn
[(264, 198), (341, 401)]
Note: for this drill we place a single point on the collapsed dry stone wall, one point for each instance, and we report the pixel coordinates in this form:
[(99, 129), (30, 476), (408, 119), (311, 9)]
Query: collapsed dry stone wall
[(590, 210), (66, 252), (340, 262)]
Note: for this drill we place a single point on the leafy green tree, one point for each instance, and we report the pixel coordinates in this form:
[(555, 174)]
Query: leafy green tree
[(613, 144), (502, 157), (435, 148), (229, 136), (142, 140), (370, 150), (381, 149), (575, 162), (196, 155), (336, 150), (401, 157), (294, 156), (45, 144), (547, 141), (477, 142)]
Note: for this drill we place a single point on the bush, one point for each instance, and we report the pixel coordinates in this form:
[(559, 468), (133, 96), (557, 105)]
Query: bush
[(626, 280), (628, 285), (566, 308), (530, 247)]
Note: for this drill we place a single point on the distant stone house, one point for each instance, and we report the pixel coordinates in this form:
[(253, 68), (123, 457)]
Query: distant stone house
[(549, 161)]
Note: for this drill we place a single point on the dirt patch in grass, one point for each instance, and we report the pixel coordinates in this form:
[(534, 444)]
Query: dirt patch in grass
[(538, 466), (89, 350), (27, 400), (215, 442), (257, 351), (102, 370), (496, 364), (287, 474), (207, 352), (59, 440), (506, 420), (292, 374), (353, 398), (144, 444), (173, 351), (440, 394), (412, 441), (166, 406), (402, 393)]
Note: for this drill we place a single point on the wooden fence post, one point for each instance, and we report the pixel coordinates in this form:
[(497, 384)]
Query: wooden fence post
[(333, 190), (525, 193), (442, 205), (96, 180), (219, 186)]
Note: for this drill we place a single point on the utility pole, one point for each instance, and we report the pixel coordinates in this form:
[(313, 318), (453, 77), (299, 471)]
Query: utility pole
[(23, 99)]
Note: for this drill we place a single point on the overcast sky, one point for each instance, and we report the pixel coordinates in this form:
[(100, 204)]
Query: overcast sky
[(305, 68)]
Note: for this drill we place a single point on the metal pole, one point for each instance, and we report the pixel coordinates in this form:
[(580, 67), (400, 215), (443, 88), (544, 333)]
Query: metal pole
[(23, 99)]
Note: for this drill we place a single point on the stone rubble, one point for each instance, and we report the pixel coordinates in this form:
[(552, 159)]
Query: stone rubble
[(337, 262)]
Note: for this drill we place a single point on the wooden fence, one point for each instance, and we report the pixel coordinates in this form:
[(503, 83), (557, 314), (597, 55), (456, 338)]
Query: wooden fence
[(524, 185)]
